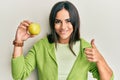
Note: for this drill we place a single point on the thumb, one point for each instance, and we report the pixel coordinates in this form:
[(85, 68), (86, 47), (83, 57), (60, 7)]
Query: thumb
[(92, 43)]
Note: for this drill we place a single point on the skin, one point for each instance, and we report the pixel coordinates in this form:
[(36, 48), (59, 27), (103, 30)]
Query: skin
[(93, 55), (63, 26), (21, 36), (64, 29)]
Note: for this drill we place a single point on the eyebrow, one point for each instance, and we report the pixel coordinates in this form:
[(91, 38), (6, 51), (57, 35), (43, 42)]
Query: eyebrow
[(65, 19)]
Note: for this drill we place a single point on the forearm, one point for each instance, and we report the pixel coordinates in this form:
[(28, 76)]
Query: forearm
[(104, 70), (18, 48), (17, 51), (22, 66)]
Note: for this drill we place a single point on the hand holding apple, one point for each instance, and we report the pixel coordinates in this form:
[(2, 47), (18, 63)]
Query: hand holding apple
[(34, 28)]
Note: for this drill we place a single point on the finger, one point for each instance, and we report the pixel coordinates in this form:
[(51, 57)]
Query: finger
[(88, 49), (90, 58), (25, 24), (92, 43), (31, 36), (89, 55), (27, 21)]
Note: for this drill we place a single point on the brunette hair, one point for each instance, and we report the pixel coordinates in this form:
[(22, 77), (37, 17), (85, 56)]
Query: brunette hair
[(74, 19)]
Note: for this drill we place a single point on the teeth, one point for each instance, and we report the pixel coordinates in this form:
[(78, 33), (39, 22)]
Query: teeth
[(63, 32)]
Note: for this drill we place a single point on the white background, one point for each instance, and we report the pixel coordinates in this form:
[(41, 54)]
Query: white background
[(100, 19)]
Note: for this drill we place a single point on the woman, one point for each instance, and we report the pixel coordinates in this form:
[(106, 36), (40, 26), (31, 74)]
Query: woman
[(62, 55)]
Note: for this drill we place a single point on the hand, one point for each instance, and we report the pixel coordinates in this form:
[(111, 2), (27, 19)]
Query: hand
[(92, 54), (22, 33)]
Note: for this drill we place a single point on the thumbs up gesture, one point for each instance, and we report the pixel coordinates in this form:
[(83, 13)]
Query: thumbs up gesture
[(92, 54)]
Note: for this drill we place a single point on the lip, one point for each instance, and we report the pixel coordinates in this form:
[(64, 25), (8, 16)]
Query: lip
[(63, 32)]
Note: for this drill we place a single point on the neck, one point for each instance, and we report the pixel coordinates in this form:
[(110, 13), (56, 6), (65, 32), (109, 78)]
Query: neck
[(64, 41)]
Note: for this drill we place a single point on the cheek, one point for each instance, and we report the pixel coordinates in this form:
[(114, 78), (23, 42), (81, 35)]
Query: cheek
[(57, 28), (71, 28)]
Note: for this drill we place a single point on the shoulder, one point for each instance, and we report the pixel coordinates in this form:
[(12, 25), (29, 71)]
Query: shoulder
[(43, 42)]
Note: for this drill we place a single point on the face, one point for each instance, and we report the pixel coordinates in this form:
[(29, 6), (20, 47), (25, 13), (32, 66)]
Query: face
[(63, 26)]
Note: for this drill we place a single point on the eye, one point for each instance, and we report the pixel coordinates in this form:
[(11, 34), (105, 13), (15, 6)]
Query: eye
[(68, 20), (57, 21)]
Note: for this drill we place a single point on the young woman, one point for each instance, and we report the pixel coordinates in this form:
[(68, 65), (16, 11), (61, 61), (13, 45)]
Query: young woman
[(61, 55)]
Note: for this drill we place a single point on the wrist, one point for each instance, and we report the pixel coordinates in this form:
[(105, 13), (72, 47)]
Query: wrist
[(18, 43), (100, 61)]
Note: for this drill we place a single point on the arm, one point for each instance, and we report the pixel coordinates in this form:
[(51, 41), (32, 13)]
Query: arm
[(93, 55), (104, 70), (21, 35), (21, 67)]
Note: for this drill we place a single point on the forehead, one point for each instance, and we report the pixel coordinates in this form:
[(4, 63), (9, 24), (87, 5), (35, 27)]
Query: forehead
[(62, 14)]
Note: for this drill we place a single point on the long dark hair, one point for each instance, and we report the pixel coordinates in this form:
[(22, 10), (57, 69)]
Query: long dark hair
[(74, 18)]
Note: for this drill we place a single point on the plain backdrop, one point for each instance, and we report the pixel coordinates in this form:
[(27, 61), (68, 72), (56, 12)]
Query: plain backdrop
[(100, 19)]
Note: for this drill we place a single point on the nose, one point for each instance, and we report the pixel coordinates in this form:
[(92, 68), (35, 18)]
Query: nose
[(64, 25)]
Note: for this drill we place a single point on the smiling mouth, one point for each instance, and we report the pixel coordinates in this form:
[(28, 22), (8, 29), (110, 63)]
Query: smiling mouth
[(63, 32)]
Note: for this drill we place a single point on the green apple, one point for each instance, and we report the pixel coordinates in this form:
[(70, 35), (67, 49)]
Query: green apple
[(34, 28)]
